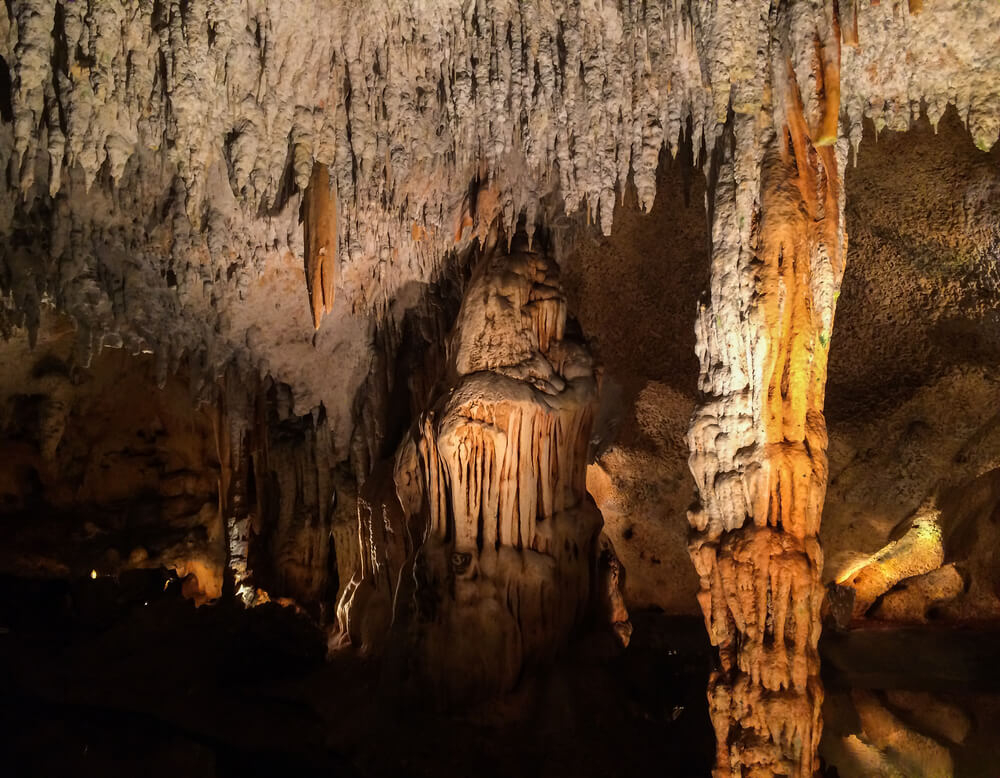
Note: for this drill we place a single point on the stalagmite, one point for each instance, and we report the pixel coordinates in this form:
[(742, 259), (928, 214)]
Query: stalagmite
[(484, 527), (758, 442)]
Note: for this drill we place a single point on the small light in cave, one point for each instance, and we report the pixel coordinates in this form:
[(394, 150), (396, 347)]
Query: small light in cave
[(93, 574)]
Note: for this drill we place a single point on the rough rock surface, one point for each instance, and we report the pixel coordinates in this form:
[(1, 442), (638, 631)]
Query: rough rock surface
[(144, 477), (758, 440), (911, 600), (483, 526), (913, 380), (638, 322), (156, 157), (100, 474), (883, 744), (156, 153)]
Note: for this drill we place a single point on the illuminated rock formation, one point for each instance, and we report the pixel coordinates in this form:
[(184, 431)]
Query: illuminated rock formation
[(914, 597), (484, 527), (910, 753), (918, 551), (276, 492), (163, 150), (758, 443), (261, 194), (319, 218)]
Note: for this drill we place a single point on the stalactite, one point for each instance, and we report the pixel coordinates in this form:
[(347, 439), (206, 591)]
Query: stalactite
[(320, 219), (158, 154), (405, 109)]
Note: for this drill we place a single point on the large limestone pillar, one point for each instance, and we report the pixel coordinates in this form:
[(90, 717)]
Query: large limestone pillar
[(480, 546), (758, 442)]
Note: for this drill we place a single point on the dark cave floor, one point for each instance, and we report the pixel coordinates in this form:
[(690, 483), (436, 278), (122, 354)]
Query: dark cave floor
[(168, 689), (95, 682)]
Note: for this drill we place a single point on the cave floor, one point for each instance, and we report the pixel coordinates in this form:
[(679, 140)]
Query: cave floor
[(166, 689)]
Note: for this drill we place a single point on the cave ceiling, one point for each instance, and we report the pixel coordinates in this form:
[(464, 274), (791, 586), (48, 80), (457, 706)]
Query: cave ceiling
[(157, 153)]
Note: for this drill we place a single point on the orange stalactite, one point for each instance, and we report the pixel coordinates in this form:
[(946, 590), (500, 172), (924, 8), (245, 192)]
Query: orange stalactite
[(849, 22), (320, 232)]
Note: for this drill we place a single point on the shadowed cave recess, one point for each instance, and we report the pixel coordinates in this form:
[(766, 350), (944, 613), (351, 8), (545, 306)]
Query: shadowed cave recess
[(529, 388)]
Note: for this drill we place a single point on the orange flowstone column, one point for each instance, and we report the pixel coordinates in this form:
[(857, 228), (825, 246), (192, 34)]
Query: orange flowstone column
[(758, 443)]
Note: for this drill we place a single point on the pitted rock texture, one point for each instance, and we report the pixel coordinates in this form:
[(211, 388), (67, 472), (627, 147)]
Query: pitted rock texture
[(156, 153), (913, 381)]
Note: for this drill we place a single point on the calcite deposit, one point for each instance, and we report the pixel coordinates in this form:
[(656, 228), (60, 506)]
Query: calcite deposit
[(340, 227), (483, 527)]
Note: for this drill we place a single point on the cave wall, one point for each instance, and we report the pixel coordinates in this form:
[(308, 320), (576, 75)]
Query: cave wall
[(635, 294), (102, 470), (111, 466), (157, 156), (913, 381)]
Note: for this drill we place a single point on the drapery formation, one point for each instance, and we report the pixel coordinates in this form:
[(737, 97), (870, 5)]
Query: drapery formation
[(484, 528), (758, 443)]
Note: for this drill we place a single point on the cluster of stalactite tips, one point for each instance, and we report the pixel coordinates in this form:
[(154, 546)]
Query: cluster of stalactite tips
[(183, 177)]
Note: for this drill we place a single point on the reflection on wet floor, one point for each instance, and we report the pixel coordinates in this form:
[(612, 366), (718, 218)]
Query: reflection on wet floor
[(124, 677), (914, 702)]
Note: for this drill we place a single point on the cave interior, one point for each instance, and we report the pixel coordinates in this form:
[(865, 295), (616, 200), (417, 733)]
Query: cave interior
[(453, 388)]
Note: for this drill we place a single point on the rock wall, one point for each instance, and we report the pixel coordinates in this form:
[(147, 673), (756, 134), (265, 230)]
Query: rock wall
[(105, 471), (101, 471), (912, 366), (635, 294)]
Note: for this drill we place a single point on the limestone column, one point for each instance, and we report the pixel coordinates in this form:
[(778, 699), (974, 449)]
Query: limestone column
[(481, 550), (758, 442)]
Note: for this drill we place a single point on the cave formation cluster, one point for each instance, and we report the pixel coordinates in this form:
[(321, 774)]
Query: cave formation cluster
[(345, 233)]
